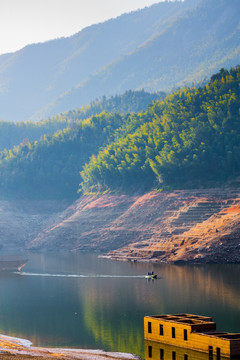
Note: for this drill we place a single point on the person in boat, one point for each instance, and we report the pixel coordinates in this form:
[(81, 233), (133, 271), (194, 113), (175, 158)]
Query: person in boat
[(151, 273)]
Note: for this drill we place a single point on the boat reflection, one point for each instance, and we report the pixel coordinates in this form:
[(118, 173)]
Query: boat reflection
[(159, 351)]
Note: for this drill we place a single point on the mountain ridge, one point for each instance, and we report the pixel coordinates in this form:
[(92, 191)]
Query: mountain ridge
[(53, 67), (149, 48)]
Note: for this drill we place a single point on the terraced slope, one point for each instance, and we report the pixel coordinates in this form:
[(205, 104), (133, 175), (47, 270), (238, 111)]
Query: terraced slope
[(203, 227), (191, 226)]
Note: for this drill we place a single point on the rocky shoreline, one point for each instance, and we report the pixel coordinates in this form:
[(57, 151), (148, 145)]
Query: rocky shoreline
[(20, 349)]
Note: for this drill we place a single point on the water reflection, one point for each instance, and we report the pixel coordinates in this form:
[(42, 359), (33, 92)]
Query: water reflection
[(97, 303), (158, 351)]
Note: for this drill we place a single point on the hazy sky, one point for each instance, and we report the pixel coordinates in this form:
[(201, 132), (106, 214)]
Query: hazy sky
[(24, 22)]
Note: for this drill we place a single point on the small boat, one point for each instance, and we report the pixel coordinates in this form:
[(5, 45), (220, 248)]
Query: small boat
[(151, 275)]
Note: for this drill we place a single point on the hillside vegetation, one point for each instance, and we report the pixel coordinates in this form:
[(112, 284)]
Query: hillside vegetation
[(12, 134), (49, 168), (191, 138), (165, 46)]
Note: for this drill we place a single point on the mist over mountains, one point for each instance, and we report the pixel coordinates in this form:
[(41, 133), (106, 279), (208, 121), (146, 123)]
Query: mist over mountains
[(158, 48)]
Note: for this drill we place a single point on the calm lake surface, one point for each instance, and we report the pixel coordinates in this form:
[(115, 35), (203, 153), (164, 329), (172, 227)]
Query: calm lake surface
[(80, 300)]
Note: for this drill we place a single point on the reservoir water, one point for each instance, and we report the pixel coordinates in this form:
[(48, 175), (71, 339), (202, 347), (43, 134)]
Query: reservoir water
[(80, 300)]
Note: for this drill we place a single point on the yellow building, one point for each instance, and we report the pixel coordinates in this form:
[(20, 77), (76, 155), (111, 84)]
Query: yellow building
[(159, 351), (191, 332)]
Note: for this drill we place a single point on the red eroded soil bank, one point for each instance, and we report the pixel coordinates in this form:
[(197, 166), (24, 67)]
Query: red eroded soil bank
[(188, 225)]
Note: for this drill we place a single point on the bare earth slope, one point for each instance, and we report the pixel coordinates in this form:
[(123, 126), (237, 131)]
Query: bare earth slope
[(21, 221), (192, 226)]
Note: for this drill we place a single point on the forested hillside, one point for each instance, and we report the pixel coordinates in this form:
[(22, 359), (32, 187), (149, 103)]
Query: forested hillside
[(128, 102), (191, 138), (49, 168), (12, 134)]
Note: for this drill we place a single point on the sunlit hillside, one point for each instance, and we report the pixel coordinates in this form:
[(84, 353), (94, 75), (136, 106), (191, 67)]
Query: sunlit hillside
[(189, 139)]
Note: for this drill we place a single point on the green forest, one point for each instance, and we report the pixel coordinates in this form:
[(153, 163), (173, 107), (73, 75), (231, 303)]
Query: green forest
[(49, 168), (191, 138), (14, 133)]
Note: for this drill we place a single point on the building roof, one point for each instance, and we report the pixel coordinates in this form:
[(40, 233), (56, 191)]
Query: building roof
[(198, 323)]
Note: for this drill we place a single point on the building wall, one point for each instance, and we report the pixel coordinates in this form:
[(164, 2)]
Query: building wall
[(196, 341), (201, 342), (159, 351)]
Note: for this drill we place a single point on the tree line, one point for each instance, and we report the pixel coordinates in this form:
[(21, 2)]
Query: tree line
[(14, 133), (191, 138)]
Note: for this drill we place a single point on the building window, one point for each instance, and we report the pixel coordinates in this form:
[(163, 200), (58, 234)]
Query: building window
[(150, 351), (149, 327), (173, 355), (218, 353), (210, 352), (161, 329), (173, 333), (185, 334), (185, 357), (161, 354)]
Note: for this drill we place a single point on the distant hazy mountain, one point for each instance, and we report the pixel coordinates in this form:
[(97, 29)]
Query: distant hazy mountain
[(156, 48)]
